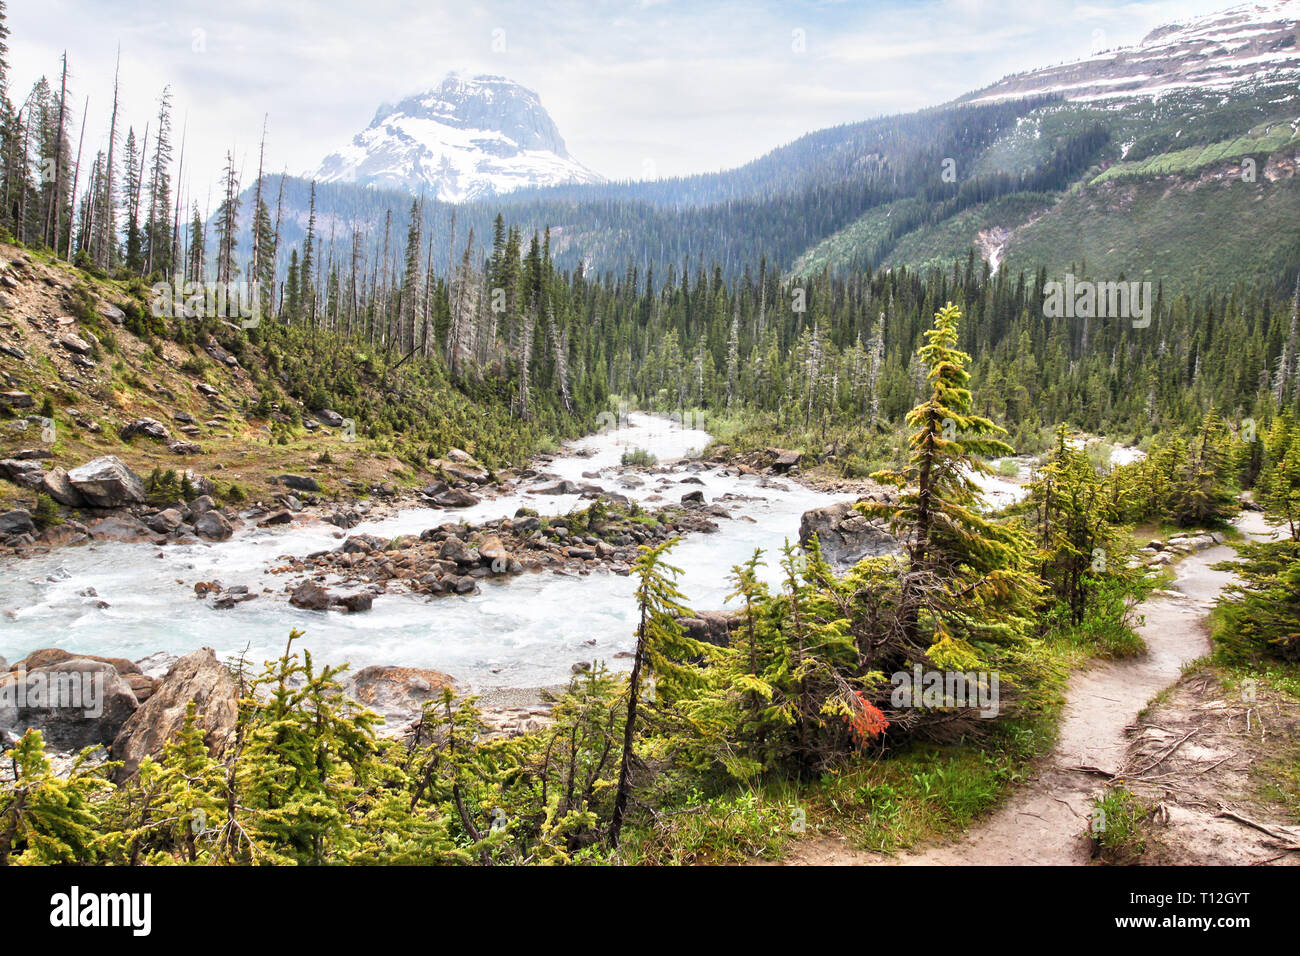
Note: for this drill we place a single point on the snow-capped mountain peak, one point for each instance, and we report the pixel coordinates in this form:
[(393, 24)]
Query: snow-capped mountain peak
[(470, 137), (1251, 42)]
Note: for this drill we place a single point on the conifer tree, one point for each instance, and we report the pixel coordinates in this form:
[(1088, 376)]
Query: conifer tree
[(663, 653), (962, 567)]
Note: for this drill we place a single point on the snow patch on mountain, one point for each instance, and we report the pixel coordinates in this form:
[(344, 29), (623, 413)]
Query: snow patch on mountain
[(469, 138)]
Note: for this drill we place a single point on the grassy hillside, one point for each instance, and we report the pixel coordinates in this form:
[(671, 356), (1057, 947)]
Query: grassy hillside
[(1164, 200), (242, 404), (1210, 229)]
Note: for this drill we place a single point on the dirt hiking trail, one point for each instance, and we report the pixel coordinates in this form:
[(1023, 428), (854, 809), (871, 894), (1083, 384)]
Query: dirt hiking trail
[(1045, 822)]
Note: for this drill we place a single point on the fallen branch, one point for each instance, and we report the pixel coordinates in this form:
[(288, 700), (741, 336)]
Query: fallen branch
[(1284, 838), (1165, 756)]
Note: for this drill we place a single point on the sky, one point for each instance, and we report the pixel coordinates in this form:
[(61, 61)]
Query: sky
[(638, 88)]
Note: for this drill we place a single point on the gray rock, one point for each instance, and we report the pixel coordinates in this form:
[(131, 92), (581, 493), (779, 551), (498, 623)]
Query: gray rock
[(165, 522), (55, 484), (456, 498), (330, 417), (148, 427), (361, 601), (213, 526), (74, 343), (197, 677), (299, 482), (74, 703), (16, 522), (846, 536), (28, 474), (711, 627), (107, 483)]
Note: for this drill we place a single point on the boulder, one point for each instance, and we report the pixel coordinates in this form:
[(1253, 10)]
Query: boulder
[(364, 543), (310, 596), (493, 552), (330, 417), (166, 521), (213, 526), (17, 522), (711, 627), (148, 427), (846, 536), (74, 703), (456, 498), (561, 488), (197, 677), (48, 656), (55, 483), (460, 470), (784, 459), (74, 343), (434, 488), (693, 497), (112, 313), (28, 474), (361, 601), (17, 399), (299, 482), (107, 483), (120, 527), (397, 694)]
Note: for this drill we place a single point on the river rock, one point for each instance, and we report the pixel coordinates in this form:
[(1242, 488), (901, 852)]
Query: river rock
[(561, 488), (456, 498), (166, 521), (74, 703), (352, 603), (846, 536), (461, 471), (213, 526), (310, 596), (197, 677), (784, 459), (120, 527), (107, 483)]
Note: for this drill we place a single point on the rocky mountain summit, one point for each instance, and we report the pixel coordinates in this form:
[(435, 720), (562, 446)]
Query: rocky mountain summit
[(468, 138)]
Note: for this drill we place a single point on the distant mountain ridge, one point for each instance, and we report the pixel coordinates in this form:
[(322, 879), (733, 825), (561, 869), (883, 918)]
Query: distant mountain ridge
[(1132, 161), (469, 138), (1246, 43)]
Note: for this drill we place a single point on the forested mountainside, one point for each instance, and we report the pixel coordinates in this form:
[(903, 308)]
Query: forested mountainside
[(1058, 175)]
